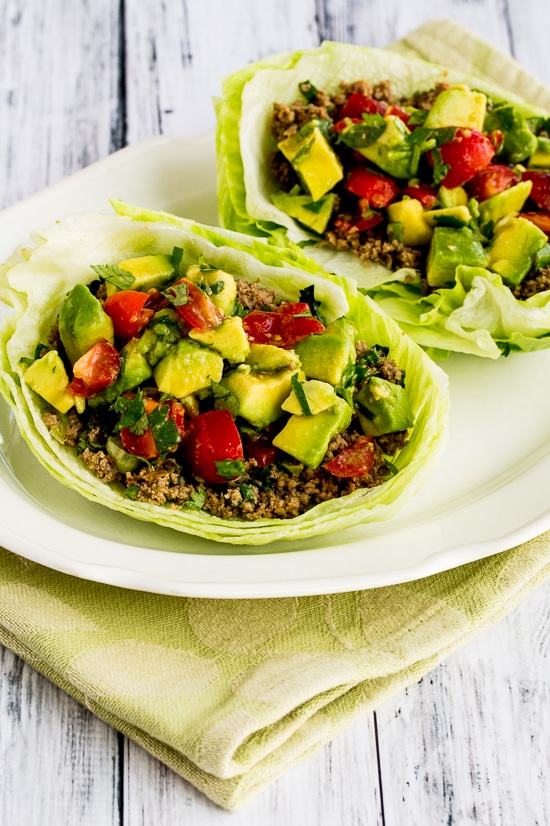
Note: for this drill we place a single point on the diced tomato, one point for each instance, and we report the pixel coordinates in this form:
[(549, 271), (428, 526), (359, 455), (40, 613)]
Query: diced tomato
[(358, 223), (355, 460), (279, 328), (427, 195), (400, 113), (212, 437), (467, 153), (95, 370), (127, 311), (294, 308), (195, 308), (378, 189), (143, 444), (261, 450), (176, 412), (490, 181), (540, 219), (540, 192), (358, 104), (340, 125)]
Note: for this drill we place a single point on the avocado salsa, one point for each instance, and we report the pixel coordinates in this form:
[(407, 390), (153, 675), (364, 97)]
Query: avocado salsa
[(206, 391), (447, 184)]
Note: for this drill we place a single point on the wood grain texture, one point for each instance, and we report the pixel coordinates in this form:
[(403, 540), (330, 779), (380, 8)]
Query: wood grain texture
[(468, 746)]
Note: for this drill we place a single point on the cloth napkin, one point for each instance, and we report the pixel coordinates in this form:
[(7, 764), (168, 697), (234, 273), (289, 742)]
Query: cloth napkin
[(231, 693)]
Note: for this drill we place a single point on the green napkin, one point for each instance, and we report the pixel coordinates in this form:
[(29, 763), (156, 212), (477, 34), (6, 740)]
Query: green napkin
[(230, 694)]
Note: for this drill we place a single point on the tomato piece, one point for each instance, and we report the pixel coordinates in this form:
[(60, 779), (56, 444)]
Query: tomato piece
[(212, 437), (400, 113), (193, 305), (467, 153), (263, 327), (128, 314), (296, 328), (358, 223), (95, 370), (378, 189), (294, 308), (427, 195), (540, 219), (340, 125), (491, 180), (358, 104), (540, 192), (261, 450), (355, 460), (141, 444), (176, 412)]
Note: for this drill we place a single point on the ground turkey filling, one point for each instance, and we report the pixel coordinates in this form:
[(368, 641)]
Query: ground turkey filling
[(283, 490)]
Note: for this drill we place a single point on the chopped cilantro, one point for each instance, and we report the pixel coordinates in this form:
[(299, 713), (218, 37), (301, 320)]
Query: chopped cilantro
[(177, 256), (197, 500), (133, 414), (177, 294), (206, 267), (131, 492), (365, 133), (230, 468), (307, 296), (248, 493), (222, 394), (300, 395), (165, 431), (308, 90), (123, 279), (391, 466), (395, 231), (418, 117), (440, 168)]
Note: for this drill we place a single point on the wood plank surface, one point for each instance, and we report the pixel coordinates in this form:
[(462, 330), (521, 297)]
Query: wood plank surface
[(469, 744)]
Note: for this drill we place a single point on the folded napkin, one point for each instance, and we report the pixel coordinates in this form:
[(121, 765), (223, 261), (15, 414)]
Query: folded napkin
[(230, 694)]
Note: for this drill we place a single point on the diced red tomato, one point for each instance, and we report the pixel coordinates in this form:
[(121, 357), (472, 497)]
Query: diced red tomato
[(378, 189), (358, 223), (490, 181), (261, 450), (467, 153), (357, 104), (143, 444), (198, 311), (212, 437), (427, 195), (128, 313), (279, 328), (400, 113), (540, 219), (340, 125), (355, 460), (95, 370), (294, 308), (176, 412), (540, 192)]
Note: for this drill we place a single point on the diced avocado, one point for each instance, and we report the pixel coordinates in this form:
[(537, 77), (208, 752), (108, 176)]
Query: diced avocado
[(259, 395), (410, 214), (320, 395), (391, 151), (219, 286), (541, 156), (83, 322), (449, 248), (125, 462), (148, 270), (452, 197), (519, 142), (454, 216), (325, 356), (47, 377), (228, 339), (505, 203), (162, 332), (135, 368), (307, 438), (457, 106), (314, 215), (187, 368), (267, 358), (383, 407), (514, 248), (542, 258), (317, 166)]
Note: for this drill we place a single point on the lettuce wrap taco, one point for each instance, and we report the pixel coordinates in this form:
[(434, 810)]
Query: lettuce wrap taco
[(429, 187), (211, 382)]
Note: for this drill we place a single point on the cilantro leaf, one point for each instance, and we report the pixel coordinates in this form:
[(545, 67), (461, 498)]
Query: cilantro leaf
[(248, 493), (300, 395), (230, 468), (123, 279), (440, 168), (133, 414), (177, 294), (206, 267), (177, 256), (308, 90), (228, 399), (307, 296), (365, 133), (165, 431), (197, 500)]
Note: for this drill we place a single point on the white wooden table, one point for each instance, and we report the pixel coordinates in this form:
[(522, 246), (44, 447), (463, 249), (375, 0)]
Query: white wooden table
[(470, 744)]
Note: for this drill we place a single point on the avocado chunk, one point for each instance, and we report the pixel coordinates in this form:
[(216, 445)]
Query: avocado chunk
[(314, 215), (449, 248), (267, 358), (219, 286), (505, 203), (83, 322), (457, 196), (259, 395), (47, 377), (319, 396), (228, 339), (325, 356), (187, 368), (163, 330), (314, 161), (512, 254), (307, 438), (383, 407), (134, 370), (540, 159), (519, 142), (410, 214), (148, 270), (455, 216), (457, 106), (391, 151)]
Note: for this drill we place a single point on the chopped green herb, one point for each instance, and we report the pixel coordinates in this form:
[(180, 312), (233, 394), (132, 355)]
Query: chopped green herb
[(123, 279), (395, 231), (300, 395), (365, 133), (307, 296), (391, 466), (177, 294), (248, 493), (177, 256), (308, 90), (222, 394), (165, 431), (133, 414), (197, 500), (204, 267), (440, 168), (418, 117), (231, 468)]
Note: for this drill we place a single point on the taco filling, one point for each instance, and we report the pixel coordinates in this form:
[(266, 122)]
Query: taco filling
[(212, 393), (442, 180)]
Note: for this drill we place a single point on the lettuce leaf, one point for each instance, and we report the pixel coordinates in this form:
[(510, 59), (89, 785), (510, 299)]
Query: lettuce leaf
[(34, 285)]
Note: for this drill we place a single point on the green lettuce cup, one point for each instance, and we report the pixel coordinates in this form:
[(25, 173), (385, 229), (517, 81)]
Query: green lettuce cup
[(88, 431), (472, 301)]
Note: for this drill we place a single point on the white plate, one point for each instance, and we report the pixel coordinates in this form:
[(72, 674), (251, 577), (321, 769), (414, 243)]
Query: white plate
[(488, 493)]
